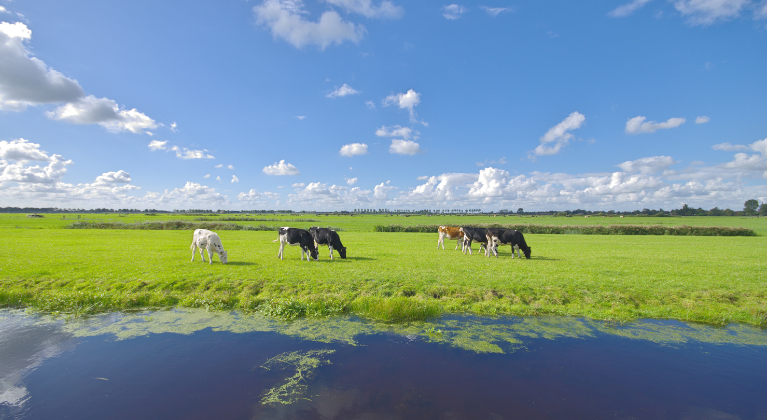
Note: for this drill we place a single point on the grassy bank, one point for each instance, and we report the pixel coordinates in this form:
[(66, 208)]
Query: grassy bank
[(392, 276)]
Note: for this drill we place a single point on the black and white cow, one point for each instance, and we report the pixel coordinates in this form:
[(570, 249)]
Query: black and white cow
[(498, 236), (297, 237), (325, 236), (470, 235)]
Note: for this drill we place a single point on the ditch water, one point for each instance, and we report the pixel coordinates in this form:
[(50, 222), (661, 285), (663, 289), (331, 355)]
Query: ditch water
[(199, 365)]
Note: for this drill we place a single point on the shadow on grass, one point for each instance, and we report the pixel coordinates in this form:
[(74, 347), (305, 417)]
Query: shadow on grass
[(347, 259), (240, 263)]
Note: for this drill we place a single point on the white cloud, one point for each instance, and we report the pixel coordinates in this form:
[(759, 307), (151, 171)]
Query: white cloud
[(157, 145), (381, 191), (407, 100), (501, 161), (230, 167), (20, 172), (281, 168), (559, 135), (27, 80), (453, 11), (495, 11), (702, 120), (105, 112), (707, 12), (344, 90), (184, 153), (21, 149), (119, 177), (351, 181), (404, 147), (637, 125), (194, 195), (628, 8), (235, 179), (207, 176), (353, 149), (385, 9), (220, 165), (253, 197), (173, 127), (298, 185), (648, 165), (218, 178), (286, 21), (395, 131), (301, 117), (370, 104), (727, 147)]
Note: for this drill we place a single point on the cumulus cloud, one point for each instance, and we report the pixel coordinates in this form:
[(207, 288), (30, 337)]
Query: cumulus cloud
[(155, 145), (638, 125), (344, 90), (381, 191), (702, 120), (453, 11), (281, 168), (235, 179), (353, 149), (285, 18), (395, 131), (184, 153), (628, 8), (351, 181), (105, 112), (495, 11), (230, 167), (707, 12), (119, 177), (27, 80), (404, 147), (559, 135), (193, 194), (21, 149), (648, 165), (385, 9), (407, 100), (253, 197), (727, 147)]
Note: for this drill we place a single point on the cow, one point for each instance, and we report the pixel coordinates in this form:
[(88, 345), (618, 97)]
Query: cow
[(325, 236), (471, 234), (449, 232), (205, 239), (498, 236), (297, 237)]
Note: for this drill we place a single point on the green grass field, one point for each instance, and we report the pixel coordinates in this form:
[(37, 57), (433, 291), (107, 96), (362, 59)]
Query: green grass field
[(391, 276)]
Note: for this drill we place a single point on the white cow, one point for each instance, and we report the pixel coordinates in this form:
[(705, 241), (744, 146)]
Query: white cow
[(205, 239)]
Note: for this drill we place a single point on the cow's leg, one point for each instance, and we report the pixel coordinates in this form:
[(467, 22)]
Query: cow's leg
[(210, 255), (440, 241), (194, 250), (487, 246), (202, 254), (317, 247), (282, 248), (456, 245), (330, 247)]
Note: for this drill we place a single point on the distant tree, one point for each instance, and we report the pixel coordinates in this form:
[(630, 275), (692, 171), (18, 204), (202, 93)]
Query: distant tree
[(763, 210), (750, 207), (520, 211), (716, 211)]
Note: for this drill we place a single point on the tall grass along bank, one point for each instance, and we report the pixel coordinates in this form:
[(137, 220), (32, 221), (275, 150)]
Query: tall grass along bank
[(682, 230)]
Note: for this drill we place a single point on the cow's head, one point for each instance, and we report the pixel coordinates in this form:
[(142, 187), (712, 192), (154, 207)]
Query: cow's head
[(527, 251), (223, 256), (313, 253), (342, 252)]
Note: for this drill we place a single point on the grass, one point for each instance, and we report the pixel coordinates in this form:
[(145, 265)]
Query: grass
[(391, 276)]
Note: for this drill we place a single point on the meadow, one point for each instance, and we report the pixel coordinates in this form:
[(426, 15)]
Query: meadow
[(389, 276)]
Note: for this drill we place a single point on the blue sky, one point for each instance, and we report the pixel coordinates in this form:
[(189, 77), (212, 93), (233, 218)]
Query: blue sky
[(346, 104)]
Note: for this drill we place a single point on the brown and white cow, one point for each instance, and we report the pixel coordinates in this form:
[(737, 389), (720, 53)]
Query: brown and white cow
[(449, 232)]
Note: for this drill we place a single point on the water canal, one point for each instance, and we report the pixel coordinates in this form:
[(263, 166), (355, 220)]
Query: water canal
[(199, 365)]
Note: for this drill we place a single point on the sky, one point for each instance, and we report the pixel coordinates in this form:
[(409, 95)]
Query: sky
[(367, 104)]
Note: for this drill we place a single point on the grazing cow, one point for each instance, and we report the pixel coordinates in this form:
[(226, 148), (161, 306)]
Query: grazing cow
[(325, 236), (471, 234), (454, 233), (297, 237), (205, 239), (497, 236)]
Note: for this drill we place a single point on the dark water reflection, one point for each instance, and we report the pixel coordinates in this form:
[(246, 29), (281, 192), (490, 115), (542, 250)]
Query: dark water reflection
[(197, 365)]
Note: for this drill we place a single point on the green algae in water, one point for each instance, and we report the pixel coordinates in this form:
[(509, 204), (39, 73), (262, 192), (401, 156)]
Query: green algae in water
[(294, 388)]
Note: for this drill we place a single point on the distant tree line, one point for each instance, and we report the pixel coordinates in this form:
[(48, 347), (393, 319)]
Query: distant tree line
[(751, 207)]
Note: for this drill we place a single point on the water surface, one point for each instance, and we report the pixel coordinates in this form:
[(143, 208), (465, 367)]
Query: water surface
[(198, 365)]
